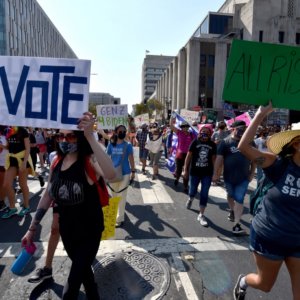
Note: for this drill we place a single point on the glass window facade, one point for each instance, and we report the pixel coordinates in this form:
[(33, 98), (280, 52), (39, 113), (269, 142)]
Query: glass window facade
[(211, 61), (29, 32)]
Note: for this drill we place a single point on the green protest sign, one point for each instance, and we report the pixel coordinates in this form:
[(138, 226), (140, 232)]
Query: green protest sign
[(258, 72)]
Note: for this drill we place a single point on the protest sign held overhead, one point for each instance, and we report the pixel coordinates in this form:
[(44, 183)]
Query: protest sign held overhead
[(140, 119), (258, 72), (110, 116), (43, 92)]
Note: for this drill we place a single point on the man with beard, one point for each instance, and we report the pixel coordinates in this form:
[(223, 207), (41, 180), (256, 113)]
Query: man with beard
[(238, 172), (199, 163)]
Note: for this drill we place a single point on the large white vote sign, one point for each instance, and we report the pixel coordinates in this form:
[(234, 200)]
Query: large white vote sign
[(43, 92)]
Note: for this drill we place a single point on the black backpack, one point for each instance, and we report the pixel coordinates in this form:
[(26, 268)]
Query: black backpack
[(264, 185)]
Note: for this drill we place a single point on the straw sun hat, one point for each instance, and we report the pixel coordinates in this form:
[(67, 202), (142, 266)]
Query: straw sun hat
[(278, 140)]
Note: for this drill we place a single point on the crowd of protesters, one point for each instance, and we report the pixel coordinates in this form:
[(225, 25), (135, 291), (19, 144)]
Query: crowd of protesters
[(205, 154)]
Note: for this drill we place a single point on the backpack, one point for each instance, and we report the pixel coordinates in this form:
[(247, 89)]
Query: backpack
[(100, 184), (263, 186)]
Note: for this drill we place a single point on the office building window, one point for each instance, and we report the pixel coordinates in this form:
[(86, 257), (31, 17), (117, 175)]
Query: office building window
[(202, 81), (298, 38), (261, 35), (210, 82), (291, 8), (242, 33), (203, 60), (281, 37), (211, 61)]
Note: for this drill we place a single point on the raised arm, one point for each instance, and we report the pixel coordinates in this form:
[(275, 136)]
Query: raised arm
[(172, 127), (263, 159), (86, 123)]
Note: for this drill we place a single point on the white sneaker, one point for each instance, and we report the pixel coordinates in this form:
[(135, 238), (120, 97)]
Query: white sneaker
[(202, 220)]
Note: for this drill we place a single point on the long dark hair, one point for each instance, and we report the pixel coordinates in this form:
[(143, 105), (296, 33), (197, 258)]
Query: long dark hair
[(288, 149)]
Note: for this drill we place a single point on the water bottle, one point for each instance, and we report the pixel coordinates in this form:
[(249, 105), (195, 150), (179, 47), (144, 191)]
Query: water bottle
[(23, 259)]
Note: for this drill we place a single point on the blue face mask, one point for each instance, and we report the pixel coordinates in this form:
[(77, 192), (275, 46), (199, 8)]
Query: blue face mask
[(66, 147)]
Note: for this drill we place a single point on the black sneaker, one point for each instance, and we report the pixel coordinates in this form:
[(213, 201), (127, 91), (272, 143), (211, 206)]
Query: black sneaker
[(40, 275), (3, 206), (237, 229), (188, 203), (238, 292), (41, 179), (231, 216)]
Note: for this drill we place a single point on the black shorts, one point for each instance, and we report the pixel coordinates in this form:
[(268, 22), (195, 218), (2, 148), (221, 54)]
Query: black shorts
[(13, 162)]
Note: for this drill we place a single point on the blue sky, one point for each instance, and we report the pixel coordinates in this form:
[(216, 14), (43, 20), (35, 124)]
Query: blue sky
[(114, 35)]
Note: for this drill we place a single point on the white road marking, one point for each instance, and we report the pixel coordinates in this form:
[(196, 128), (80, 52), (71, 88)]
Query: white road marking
[(152, 191), (153, 246), (184, 277)]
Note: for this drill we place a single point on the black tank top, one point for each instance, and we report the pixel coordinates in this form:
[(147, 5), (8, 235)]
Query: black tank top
[(77, 201)]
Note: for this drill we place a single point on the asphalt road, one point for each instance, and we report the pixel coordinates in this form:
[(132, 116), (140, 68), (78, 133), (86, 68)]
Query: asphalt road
[(197, 262)]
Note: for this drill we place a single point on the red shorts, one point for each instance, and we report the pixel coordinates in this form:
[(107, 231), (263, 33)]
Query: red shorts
[(42, 148)]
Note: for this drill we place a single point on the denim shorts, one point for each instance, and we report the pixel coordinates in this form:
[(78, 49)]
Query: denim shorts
[(143, 153), (270, 249), (237, 191)]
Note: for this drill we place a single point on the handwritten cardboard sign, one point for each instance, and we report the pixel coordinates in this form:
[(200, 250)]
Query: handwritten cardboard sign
[(258, 72), (110, 216), (140, 119), (43, 92), (189, 115), (110, 116)]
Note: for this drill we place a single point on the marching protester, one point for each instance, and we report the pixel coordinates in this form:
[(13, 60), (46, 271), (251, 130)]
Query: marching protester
[(33, 153), (275, 228), (121, 153), (238, 172), (185, 138), (40, 138), (3, 153), (78, 205), (141, 138), (199, 164), (261, 144), (221, 132), (155, 146), (18, 163)]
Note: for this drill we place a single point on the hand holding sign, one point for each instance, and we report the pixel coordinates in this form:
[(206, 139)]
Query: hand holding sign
[(86, 123)]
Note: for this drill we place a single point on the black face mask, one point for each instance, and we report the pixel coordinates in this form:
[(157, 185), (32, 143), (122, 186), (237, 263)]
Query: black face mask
[(122, 135)]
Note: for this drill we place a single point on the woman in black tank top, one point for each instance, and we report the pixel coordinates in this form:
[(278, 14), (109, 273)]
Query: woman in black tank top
[(78, 205)]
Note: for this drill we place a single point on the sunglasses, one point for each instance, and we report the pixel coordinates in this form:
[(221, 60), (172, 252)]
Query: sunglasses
[(69, 137)]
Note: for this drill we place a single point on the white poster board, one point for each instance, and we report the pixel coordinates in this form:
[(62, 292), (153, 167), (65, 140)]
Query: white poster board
[(189, 115), (140, 119), (43, 92), (110, 116)]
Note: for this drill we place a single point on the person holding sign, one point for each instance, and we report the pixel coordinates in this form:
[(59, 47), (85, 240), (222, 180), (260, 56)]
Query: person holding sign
[(275, 228), (78, 205)]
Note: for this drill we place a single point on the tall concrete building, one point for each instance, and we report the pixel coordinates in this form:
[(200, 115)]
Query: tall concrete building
[(103, 99), (26, 30), (195, 77), (153, 68)]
